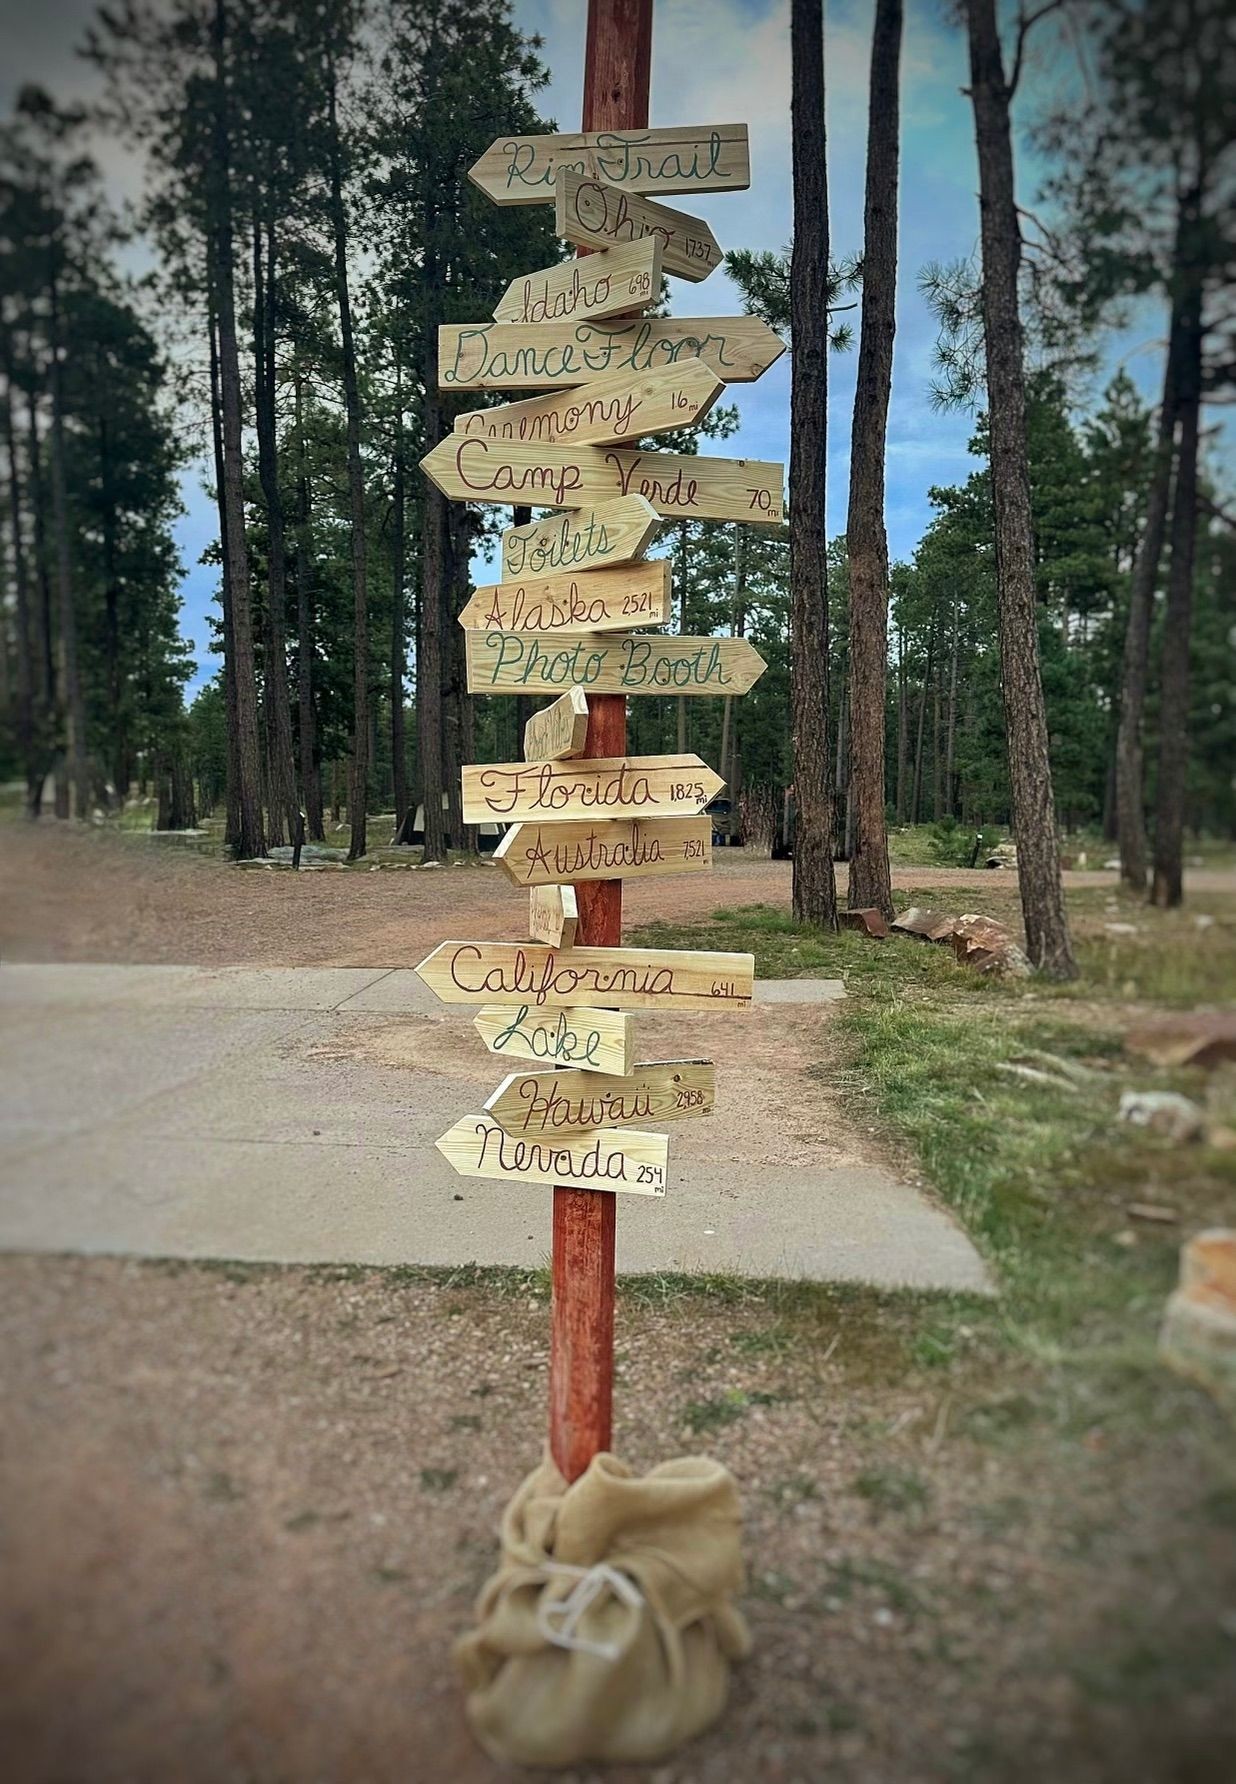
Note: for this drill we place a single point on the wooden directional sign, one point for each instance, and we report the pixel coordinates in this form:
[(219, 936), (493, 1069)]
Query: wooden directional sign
[(598, 601), (537, 854), (608, 786), (547, 355), (525, 663), (553, 916), (679, 487), (611, 283), (590, 213), (621, 978), (575, 1102), (697, 158), (478, 1147), (559, 731), (621, 406), (617, 532), (589, 1040)]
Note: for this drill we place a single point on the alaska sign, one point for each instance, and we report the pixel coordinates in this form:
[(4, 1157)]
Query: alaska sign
[(694, 158), (598, 601)]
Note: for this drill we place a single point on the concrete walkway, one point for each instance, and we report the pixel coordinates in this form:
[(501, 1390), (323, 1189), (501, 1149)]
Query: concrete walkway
[(290, 1114)]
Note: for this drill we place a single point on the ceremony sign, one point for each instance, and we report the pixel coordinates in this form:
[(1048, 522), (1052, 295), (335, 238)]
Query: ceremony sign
[(478, 1147), (679, 487), (638, 786), (522, 662), (617, 532), (536, 854), (695, 158), (553, 915), (596, 601), (575, 1102), (589, 1040), (547, 355), (620, 406), (611, 283), (626, 978), (593, 214), (559, 731)]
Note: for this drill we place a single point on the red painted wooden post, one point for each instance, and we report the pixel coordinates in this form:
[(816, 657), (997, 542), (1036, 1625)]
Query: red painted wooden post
[(617, 65)]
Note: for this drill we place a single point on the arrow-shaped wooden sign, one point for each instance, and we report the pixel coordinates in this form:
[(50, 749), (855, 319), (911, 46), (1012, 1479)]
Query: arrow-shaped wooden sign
[(478, 1147), (553, 916), (590, 213), (547, 355), (611, 283), (608, 786), (589, 1040), (537, 854), (598, 601), (619, 407), (691, 158), (621, 978), (679, 487), (575, 1102), (524, 662), (616, 532), (558, 731)]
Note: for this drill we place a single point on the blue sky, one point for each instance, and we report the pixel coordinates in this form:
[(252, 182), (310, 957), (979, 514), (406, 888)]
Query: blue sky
[(728, 61)]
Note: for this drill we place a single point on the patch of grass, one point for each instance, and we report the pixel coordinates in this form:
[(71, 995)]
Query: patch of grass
[(438, 1480), (700, 1416), (890, 1489)]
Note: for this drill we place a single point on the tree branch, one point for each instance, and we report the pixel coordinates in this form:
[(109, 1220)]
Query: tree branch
[(1026, 21)]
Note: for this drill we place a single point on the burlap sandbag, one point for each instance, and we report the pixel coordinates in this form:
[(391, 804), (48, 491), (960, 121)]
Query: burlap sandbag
[(608, 1630)]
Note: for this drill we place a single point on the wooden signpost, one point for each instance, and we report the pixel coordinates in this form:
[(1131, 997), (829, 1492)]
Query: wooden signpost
[(613, 978), (618, 1160), (536, 854), (611, 663), (610, 284), (698, 158), (601, 601), (589, 1040), (593, 214), (558, 732), (634, 786), (606, 412), (617, 532), (553, 915), (574, 1102), (547, 355), (468, 468)]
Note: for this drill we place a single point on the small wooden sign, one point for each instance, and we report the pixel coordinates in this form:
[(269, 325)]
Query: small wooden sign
[(597, 601), (690, 158), (589, 1040), (590, 213), (611, 409), (612, 283), (575, 1102), (679, 487), (616, 532), (523, 662), (547, 355), (608, 786), (621, 978), (553, 916), (559, 731), (537, 854), (478, 1147)]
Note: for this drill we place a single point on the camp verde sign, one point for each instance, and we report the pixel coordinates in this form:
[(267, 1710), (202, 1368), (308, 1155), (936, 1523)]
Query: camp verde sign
[(512, 662), (598, 601), (692, 158), (626, 978), (611, 283), (512, 356)]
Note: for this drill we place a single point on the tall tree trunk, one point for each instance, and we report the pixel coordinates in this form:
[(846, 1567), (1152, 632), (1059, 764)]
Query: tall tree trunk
[(1167, 884), (1025, 715), (358, 782), (814, 888), (950, 749), (870, 884), (737, 622), (903, 728), (917, 790), (231, 826), (30, 713), (118, 741), (281, 763), (66, 611), (399, 643), (250, 835), (1135, 664), (310, 767)]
